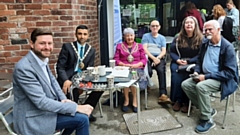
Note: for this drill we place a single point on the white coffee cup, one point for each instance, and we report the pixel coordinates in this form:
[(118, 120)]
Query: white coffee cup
[(112, 63), (110, 81), (102, 70), (84, 73), (90, 70), (95, 76)]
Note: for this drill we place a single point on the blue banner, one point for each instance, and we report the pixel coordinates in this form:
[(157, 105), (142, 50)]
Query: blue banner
[(117, 24)]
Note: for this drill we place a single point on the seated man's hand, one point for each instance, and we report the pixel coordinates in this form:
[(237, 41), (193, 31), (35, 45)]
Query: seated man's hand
[(198, 78), (196, 73), (86, 109), (201, 77), (156, 61), (66, 100), (66, 86)]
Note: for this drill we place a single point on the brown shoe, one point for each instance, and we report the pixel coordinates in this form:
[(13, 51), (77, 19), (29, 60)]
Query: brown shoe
[(184, 108), (164, 99), (80, 92), (176, 107), (148, 89)]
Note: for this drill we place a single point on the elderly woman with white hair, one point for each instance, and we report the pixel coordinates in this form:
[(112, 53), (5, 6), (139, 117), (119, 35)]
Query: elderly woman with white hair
[(130, 54)]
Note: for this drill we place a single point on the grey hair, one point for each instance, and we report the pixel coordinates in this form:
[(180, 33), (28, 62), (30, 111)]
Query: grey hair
[(214, 22), (128, 31)]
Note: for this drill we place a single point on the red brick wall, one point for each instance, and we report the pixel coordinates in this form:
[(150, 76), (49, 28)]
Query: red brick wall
[(19, 17)]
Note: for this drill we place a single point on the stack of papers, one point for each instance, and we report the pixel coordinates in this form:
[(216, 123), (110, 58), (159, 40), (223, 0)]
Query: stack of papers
[(127, 84), (119, 71), (108, 69)]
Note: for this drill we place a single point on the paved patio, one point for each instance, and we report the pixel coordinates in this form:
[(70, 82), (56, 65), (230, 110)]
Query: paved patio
[(112, 123)]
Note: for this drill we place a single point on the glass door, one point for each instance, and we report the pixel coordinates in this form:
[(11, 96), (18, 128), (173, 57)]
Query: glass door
[(137, 15)]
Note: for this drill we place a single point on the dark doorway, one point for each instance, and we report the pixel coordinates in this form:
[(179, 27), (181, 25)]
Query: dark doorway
[(104, 55)]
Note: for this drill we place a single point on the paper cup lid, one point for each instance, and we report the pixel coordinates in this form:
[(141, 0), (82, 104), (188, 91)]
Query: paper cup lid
[(90, 67), (110, 76)]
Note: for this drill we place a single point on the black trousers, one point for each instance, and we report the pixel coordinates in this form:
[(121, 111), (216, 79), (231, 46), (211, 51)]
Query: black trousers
[(92, 99), (161, 72)]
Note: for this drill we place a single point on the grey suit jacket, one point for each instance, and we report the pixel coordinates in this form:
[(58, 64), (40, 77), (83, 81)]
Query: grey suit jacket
[(36, 106)]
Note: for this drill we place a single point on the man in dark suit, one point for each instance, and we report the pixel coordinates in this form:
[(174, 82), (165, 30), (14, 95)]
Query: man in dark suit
[(73, 58)]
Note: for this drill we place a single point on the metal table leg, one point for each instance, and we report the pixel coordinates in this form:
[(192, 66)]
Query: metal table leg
[(146, 100), (116, 95), (138, 111), (139, 118), (111, 98)]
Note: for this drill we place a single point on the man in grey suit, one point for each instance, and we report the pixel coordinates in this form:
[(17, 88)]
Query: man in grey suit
[(40, 106)]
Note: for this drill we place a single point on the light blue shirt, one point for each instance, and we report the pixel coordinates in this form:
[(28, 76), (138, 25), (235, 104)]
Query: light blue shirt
[(79, 49), (42, 64), (211, 58), (154, 44), (234, 14)]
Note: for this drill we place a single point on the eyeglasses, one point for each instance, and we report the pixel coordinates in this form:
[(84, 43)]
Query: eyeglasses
[(154, 25), (210, 29)]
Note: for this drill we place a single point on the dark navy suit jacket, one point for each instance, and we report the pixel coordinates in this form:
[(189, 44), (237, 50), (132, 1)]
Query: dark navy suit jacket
[(228, 68), (67, 61)]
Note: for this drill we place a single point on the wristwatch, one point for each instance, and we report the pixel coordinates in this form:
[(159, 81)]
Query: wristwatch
[(159, 58)]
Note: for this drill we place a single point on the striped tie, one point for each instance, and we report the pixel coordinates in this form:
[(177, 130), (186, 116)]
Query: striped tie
[(81, 55)]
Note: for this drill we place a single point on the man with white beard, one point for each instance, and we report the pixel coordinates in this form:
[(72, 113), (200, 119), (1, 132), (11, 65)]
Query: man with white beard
[(216, 70)]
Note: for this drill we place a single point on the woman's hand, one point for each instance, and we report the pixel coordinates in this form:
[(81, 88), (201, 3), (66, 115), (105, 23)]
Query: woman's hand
[(181, 62), (127, 65), (135, 66)]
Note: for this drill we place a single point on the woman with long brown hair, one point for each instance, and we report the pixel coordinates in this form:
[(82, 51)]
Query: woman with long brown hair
[(184, 50)]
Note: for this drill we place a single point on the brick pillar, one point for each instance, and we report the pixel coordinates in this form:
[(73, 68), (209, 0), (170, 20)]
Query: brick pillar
[(19, 17)]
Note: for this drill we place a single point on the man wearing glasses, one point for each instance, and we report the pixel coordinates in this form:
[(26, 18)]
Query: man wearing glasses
[(216, 71), (154, 45)]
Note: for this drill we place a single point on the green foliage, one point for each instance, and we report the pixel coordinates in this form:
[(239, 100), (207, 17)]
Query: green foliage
[(144, 10)]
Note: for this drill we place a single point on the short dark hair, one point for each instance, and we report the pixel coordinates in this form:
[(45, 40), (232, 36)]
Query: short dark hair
[(81, 27), (39, 31)]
